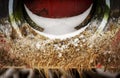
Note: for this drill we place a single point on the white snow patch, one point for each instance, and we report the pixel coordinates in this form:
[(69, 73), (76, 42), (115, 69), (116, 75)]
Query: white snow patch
[(75, 42), (81, 36), (59, 28), (61, 48), (83, 40), (38, 45), (60, 55)]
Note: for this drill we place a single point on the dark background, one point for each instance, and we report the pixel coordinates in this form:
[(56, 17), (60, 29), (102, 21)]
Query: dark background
[(3, 8), (115, 8)]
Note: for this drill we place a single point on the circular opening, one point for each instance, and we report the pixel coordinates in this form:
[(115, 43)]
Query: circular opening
[(58, 18)]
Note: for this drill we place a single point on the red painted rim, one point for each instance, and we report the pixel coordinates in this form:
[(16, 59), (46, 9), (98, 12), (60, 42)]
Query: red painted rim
[(57, 8)]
